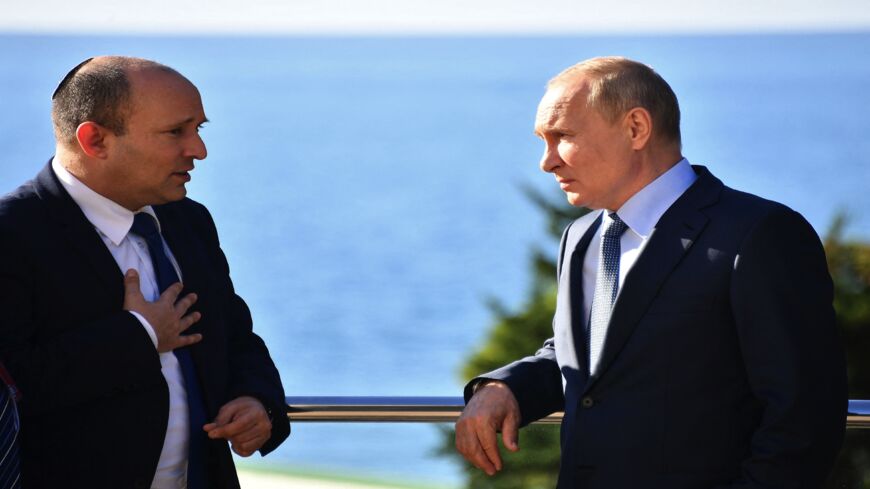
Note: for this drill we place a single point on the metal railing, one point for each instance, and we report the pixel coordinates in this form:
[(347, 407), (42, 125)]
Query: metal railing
[(439, 410)]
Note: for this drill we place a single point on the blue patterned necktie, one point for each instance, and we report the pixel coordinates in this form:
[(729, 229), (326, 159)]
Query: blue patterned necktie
[(606, 287), (10, 460), (145, 226)]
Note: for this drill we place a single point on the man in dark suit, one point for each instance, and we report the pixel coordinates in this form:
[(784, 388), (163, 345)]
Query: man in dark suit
[(131, 378), (694, 341)]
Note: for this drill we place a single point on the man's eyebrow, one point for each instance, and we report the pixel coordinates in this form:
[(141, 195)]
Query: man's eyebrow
[(188, 121), (541, 130)]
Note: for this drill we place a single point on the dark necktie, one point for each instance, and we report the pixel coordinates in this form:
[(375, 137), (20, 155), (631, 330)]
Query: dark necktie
[(10, 460), (606, 287), (145, 226)]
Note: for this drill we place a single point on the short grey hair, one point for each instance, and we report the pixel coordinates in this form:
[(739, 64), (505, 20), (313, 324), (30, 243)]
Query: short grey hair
[(617, 85)]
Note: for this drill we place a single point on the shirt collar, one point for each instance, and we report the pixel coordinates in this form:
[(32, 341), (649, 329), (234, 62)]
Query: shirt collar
[(644, 209), (110, 218)]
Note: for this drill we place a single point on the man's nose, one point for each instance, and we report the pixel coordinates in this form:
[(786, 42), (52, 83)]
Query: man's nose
[(196, 148), (550, 159)]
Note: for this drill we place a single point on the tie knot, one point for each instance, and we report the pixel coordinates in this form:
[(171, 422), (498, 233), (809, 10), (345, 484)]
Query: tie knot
[(616, 227), (144, 225)]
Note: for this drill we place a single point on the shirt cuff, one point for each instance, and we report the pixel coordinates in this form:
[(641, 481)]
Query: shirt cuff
[(147, 326)]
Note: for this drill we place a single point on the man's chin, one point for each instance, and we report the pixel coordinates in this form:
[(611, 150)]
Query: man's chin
[(175, 195), (575, 199)]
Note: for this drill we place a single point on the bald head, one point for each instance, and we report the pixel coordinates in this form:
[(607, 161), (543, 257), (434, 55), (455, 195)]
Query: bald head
[(98, 91), (616, 85)]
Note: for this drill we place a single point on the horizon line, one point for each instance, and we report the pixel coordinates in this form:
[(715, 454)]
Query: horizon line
[(442, 33)]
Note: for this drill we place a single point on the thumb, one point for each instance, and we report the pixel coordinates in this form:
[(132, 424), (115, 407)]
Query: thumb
[(510, 435), (131, 286), (225, 415)]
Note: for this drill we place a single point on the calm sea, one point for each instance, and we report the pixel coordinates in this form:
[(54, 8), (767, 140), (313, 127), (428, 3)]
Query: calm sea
[(367, 190)]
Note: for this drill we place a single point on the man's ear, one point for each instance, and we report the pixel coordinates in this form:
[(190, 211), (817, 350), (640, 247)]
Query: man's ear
[(92, 139), (639, 125)]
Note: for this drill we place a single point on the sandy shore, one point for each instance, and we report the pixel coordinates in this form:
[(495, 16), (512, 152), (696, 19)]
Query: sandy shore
[(267, 480), (258, 478)]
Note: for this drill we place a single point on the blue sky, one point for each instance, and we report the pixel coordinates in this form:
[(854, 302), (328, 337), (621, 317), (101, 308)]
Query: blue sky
[(431, 16)]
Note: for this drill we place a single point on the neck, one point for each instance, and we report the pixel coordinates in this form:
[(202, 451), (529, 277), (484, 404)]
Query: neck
[(87, 171), (650, 164), (73, 162), (655, 160)]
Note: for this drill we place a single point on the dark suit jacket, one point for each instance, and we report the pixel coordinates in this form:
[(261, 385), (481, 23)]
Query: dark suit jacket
[(721, 367), (95, 402)]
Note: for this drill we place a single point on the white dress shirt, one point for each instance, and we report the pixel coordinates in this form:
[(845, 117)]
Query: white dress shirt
[(641, 213), (112, 222)]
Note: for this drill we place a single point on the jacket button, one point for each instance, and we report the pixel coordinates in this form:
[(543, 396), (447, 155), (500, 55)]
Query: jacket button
[(140, 484), (587, 402)]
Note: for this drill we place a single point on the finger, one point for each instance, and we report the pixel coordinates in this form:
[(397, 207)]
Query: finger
[(242, 452), (226, 413), (180, 342), (188, 339), (187, 321), (131, 285), (226, 432), (184, 303), (510, 435), (215, 431), (468, 445), (480, 460), (228, 422), (239, 426), (170, 295), (250, 446), (489, 442), (256, 432)]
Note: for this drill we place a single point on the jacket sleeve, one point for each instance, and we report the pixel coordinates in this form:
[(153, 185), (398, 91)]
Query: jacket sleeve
[(251, 370), (536, 380), (781, 295)]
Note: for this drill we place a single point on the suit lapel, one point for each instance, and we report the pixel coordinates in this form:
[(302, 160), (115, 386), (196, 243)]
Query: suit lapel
[(673, 236), (78, 232), (184, 249)]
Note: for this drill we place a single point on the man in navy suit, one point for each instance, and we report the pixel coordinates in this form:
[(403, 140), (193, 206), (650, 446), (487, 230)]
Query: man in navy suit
[(694, 342), (119, 318)]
